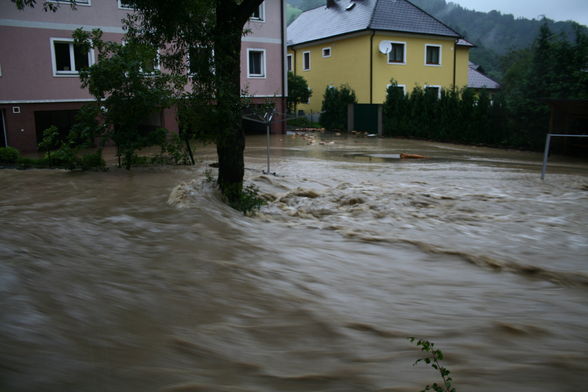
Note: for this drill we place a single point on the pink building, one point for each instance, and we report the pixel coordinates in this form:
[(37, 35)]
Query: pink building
[(39, 81)]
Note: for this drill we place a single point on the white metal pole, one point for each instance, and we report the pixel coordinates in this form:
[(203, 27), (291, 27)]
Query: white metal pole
[(546, 155)]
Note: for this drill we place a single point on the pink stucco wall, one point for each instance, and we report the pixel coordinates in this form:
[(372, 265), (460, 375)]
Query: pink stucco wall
[(27, 79)]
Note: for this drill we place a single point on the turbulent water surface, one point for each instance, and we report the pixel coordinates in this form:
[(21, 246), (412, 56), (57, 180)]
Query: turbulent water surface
[(145, 281)]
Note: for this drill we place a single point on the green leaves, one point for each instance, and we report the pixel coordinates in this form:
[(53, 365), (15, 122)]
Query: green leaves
[(433, 357), (298, 91)]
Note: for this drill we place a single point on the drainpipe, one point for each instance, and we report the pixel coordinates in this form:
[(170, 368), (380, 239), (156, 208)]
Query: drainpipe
[(284, 71), (454, 62), (372, 65)]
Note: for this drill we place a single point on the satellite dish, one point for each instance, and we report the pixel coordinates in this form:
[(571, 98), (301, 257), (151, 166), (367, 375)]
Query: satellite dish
[(385, 47)]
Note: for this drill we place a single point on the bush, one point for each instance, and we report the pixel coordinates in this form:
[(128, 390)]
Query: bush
[(248, 201), (9, 155), (334, 107)]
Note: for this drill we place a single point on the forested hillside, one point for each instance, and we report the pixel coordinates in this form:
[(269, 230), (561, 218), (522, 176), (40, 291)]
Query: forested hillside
[(494, 33)]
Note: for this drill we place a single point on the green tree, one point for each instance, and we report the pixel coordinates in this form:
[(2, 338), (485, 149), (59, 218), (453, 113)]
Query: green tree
[(128, 89), (180, 27), (298, 91), (334, 107), (177, 28)]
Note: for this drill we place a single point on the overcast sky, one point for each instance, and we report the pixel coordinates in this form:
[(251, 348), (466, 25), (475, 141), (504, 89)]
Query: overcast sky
[(533, 9)]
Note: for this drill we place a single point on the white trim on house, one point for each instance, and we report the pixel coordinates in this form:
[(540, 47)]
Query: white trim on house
[(263, 73), (57, 26), (403, 62), (327, 52), (24, 101), (85, 3), (123, 7), (440, 55), (73, 72), (304, 65), (289, 63), (262, 40), (403, 86), (434, 86)]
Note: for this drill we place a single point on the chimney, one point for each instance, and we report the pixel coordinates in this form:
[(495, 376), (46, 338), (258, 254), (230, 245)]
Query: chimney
[(331, 3)]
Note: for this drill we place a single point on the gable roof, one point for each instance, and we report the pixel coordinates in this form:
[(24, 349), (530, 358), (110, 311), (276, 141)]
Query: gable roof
[(349, 16), (477, 79)]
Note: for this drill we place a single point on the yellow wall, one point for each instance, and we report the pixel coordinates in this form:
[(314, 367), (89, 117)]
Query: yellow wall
[(350, 64)]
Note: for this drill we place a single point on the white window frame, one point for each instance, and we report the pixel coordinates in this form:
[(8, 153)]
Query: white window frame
[(290, 63), (398, 85), (434, 86), (304, 65), (189, 65), (73, 72), (403, 55), (263, 74), (156, 66), (330, 51), (261, 17), (440, 55), (122, 7), (84, 3)]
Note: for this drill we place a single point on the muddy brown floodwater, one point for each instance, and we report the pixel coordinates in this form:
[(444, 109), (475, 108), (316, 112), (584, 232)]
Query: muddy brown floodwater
[(145, 281)]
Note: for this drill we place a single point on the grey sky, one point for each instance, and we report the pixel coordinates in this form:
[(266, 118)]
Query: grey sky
[(558, 10)]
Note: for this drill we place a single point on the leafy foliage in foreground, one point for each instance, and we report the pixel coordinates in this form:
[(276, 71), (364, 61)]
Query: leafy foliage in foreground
[(433, 358)]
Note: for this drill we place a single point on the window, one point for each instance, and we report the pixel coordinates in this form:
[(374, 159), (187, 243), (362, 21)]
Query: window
[(78, 2), (256, 63), (259, 13), (434, 90), (68, 59), (201, 61), (151, 65), (397, 54), (399, 88), (432, 55), (326, 52), (306, 61), (122, 4), (289, 62)]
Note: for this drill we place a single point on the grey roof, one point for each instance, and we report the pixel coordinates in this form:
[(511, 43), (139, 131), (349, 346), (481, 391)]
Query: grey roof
[(476, 79), (384, 15), (465, 42)]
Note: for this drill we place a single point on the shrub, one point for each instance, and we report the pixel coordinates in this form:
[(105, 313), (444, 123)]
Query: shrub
[(9, 155), (334, 107)]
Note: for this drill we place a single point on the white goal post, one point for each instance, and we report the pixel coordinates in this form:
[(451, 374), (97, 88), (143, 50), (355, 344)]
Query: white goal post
[(548, 145)]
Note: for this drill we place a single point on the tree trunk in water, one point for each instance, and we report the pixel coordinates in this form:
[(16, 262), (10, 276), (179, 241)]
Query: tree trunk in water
[(230, 143)]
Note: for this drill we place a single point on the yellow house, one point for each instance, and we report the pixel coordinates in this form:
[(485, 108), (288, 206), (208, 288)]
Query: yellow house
[(366, 43)]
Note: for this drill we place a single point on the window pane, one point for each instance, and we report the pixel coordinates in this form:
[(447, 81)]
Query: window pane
[(306, 60), (289, 63), (81, 58), (62, 58), (397, 53), (432, 55), (258, 13), (201, 61), (255, 63)]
